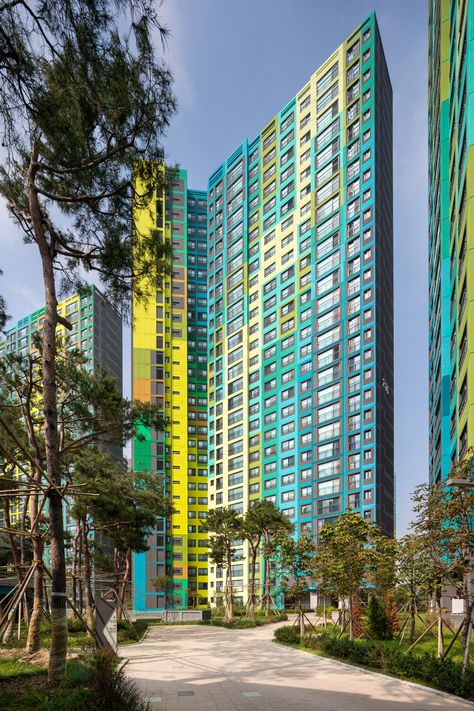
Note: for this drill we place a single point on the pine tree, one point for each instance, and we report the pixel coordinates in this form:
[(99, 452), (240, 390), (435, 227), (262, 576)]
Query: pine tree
[(81, 105), (224, 526)]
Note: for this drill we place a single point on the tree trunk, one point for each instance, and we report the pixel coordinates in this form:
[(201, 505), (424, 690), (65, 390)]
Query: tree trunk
[(75, 553), (351, 618), (229, 600), (301, 618), (125, 581), (33, 642), (58, 651), (16, 557), (440, 631), (268, 583), (16, 562), (80, 587), (8, 630), (252, 582), (412, 622), (466, 634), (88, 576)]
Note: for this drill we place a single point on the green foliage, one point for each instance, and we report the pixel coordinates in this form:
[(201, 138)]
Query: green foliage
[(33, 699), (378, 621), (12, 668), (412, 571), (84, 102), (347, 554), (444, 526), (112, 688), (444, 675), (162, 583), (296, 564), (3, 311), (328, 609), (224, 526), (128, 633), (288, 634), (246, 622), (93, 684), (133, 501), (239, 623)]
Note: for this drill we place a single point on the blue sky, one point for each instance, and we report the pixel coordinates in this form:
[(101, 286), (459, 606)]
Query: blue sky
[(235, 65)]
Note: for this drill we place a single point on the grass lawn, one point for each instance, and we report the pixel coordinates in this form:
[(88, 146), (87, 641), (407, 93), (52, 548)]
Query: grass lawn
[(25, 687), (429, 643), (78, 639), (389, 657), (12, 668)]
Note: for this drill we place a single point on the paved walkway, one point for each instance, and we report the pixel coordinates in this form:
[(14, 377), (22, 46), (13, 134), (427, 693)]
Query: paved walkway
[(194, 668)]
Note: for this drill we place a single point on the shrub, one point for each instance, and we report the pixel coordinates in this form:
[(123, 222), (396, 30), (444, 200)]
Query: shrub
[(444, 675), (328, 609), (288, 635), (112, 690), (378, 621), (127, 632), (76, 627)]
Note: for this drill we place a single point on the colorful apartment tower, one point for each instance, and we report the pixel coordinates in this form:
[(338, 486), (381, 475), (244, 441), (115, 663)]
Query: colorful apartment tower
[(169, 365), (451, 231), (96, 331), (301, 304)]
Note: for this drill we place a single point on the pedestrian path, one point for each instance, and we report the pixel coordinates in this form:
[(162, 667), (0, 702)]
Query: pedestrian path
[(195, 668)]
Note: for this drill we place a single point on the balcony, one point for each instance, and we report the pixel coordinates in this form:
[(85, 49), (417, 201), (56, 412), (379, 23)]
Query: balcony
[(328, 509), (462, 306)]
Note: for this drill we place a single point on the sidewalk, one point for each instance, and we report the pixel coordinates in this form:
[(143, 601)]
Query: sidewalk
[(196, 668)]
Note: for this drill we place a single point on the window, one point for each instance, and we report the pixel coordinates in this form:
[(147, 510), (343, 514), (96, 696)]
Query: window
[(331, 486), (328, 152), (327, 97)]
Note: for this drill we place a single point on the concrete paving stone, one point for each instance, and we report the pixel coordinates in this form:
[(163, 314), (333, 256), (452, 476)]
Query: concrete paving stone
[(227, 667)]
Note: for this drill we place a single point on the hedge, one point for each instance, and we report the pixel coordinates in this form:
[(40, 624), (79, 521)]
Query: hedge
[(443, 675), (247, 622), (288, 635)]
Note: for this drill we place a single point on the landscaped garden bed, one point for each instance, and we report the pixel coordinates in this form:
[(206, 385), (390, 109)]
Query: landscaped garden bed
[(385, 656), (94, 682)]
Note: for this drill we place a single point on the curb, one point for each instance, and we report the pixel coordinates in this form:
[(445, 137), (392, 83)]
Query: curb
[(122, 664), (143, 635), (138, 641), (414, 684)]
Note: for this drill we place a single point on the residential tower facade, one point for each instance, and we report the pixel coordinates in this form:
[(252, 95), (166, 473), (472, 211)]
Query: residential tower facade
[(96, 332), (169, 368), (451, 232), (301, 305)]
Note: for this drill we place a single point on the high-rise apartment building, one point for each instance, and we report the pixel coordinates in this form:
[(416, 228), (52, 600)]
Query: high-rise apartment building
[(301, 304), (96, 331), (451, 232), (169, 365)]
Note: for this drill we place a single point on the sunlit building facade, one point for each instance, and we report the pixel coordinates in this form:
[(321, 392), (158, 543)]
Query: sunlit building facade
[(301, 305), (451, 232), (169, 368)]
